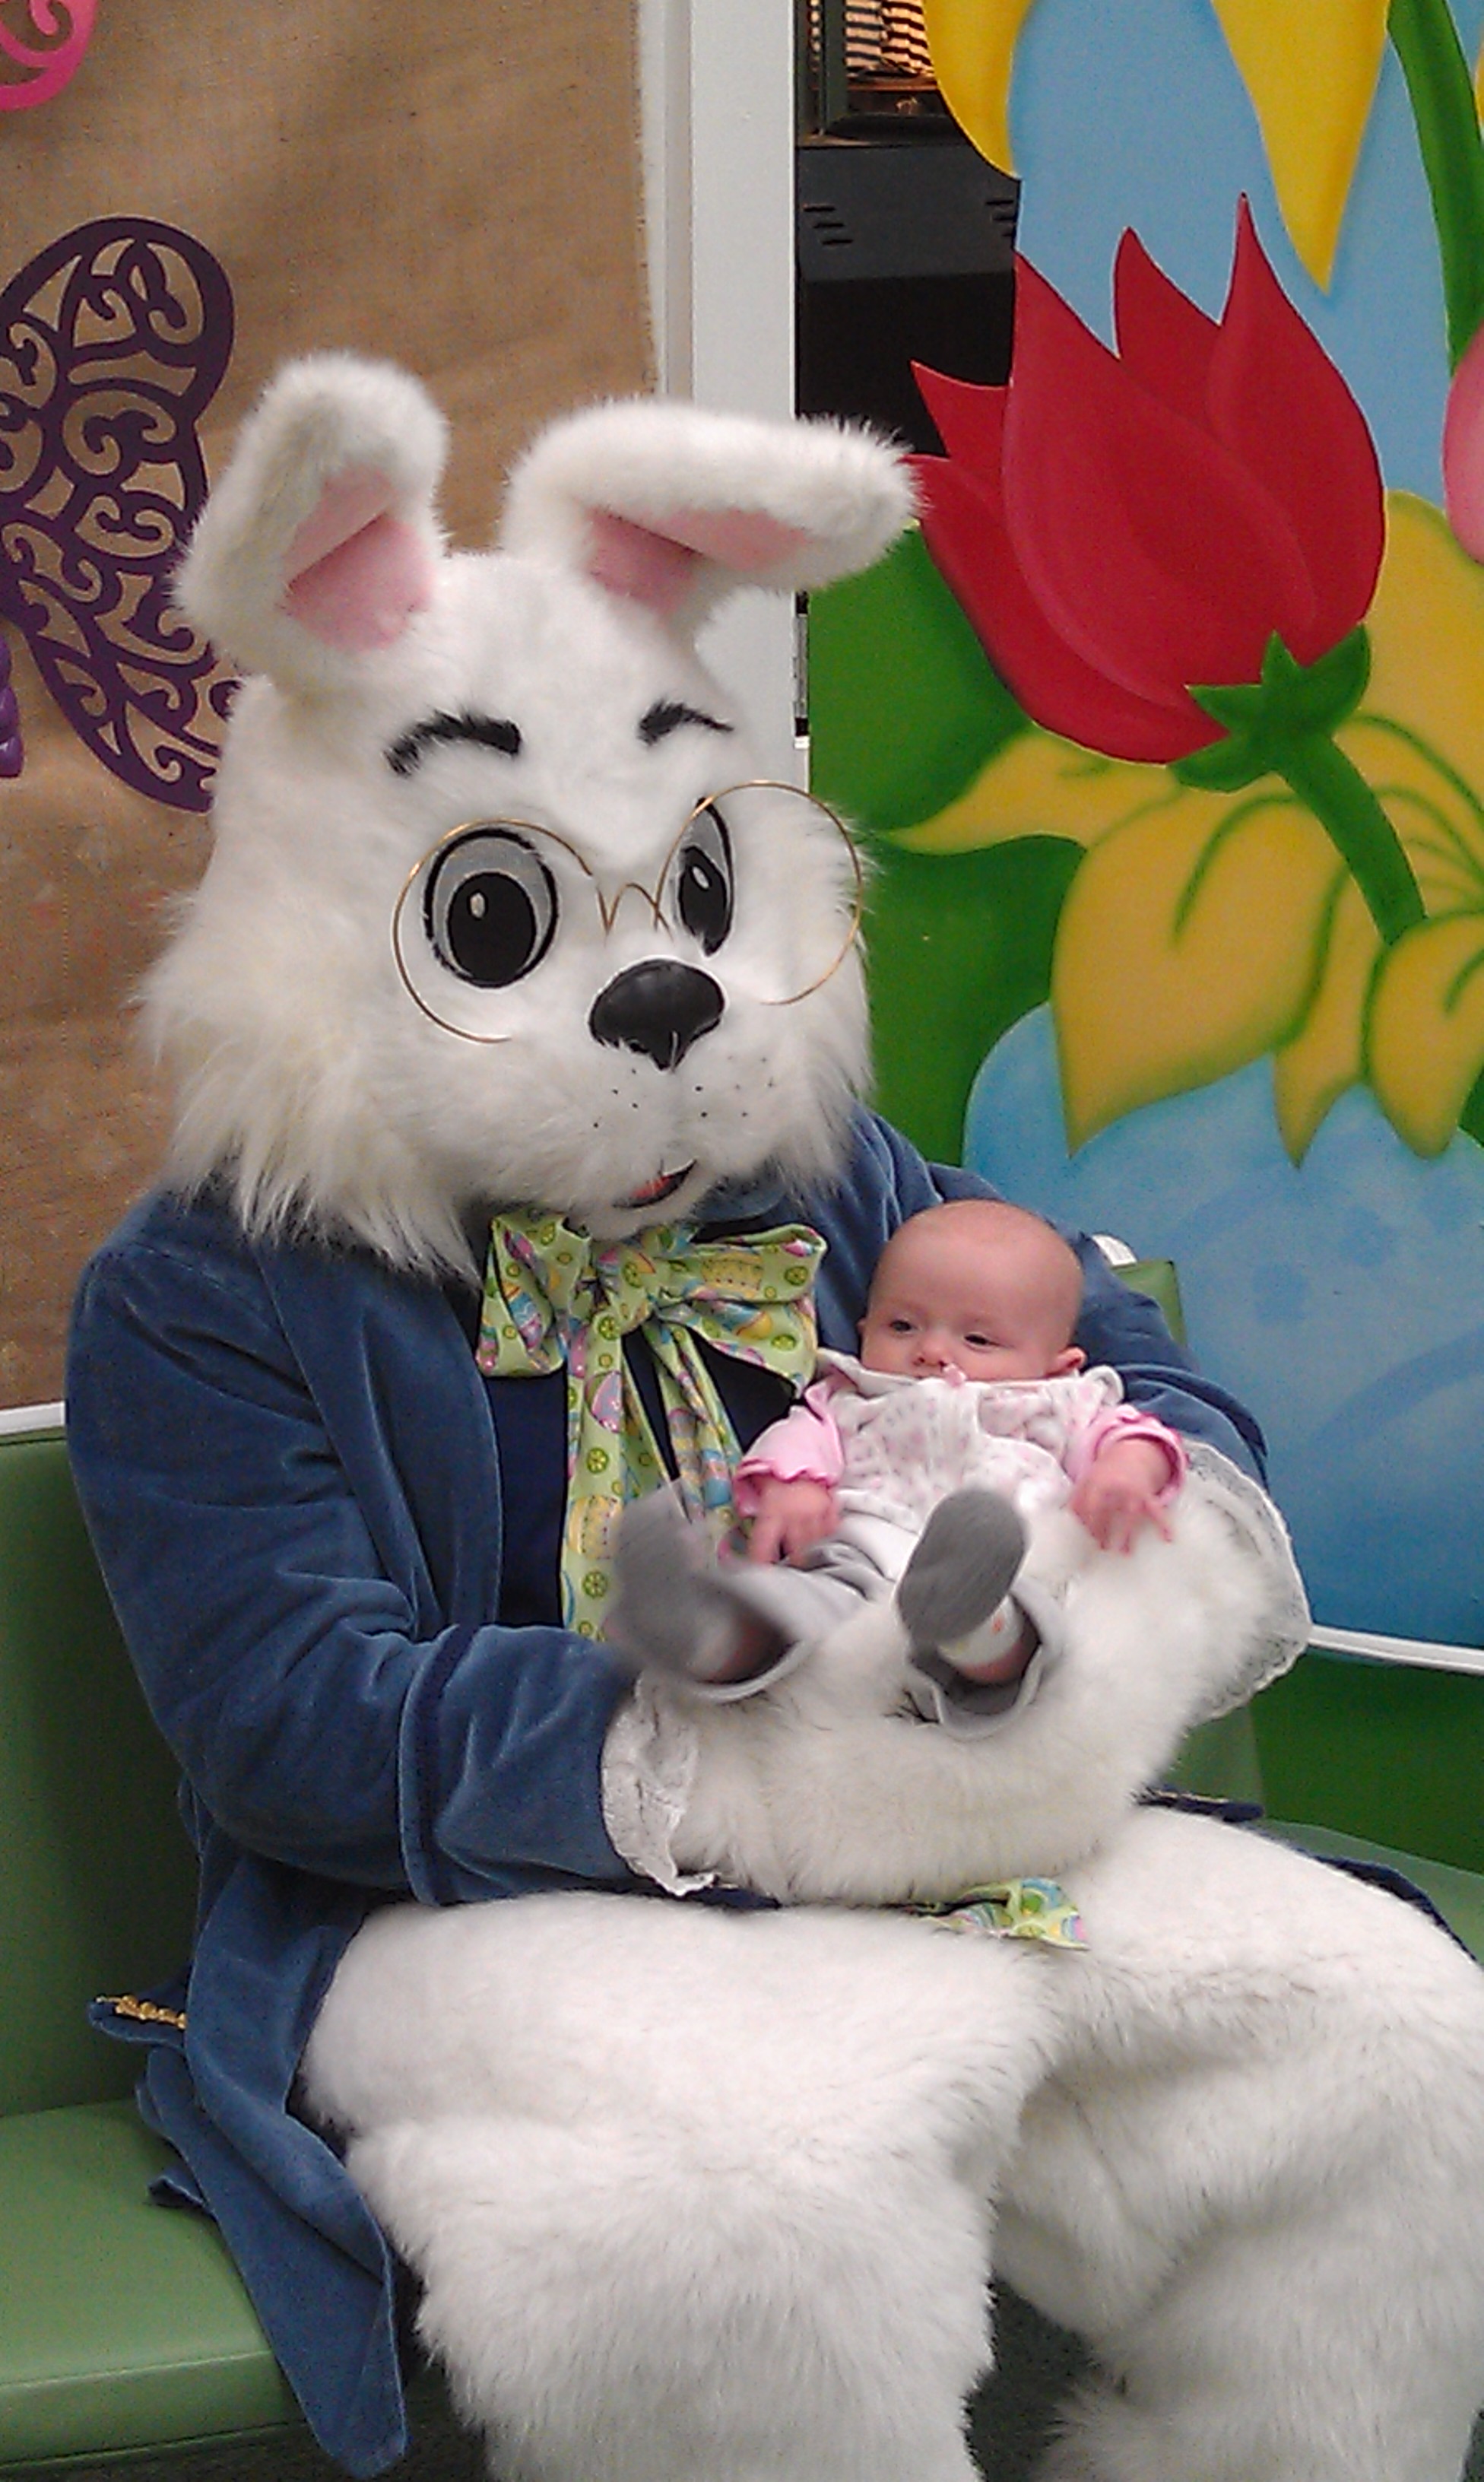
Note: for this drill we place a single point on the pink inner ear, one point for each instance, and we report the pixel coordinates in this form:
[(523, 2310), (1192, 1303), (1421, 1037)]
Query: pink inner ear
[(655, 567), (741, 538), (630, 560), (355, 573)]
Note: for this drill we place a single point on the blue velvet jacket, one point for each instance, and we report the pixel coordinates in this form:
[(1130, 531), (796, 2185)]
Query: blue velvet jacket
[(331, 1545)]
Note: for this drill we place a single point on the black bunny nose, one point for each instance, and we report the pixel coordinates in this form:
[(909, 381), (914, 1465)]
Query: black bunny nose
[(659, 1008)]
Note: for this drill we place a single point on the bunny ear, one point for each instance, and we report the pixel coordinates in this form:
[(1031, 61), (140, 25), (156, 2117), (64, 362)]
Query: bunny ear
[(320, 541), (674, 506)]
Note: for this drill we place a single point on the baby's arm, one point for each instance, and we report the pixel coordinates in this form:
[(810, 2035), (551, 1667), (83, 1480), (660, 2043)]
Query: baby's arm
[(1126, 1469), (785, 1482)]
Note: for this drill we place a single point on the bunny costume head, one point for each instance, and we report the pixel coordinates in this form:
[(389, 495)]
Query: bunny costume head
[(476, 925)]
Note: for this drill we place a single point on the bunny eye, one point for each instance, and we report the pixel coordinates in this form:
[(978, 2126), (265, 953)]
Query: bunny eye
[(702, 880), (490, 908)]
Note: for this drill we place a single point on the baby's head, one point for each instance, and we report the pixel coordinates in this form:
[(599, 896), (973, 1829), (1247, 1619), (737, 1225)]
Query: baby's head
[(977, 1286)]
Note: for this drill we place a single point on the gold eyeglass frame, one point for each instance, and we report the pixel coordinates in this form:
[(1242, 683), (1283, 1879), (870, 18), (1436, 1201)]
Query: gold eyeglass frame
[(607, 909)]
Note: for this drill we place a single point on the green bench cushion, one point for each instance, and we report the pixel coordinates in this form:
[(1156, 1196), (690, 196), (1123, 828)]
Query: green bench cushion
[(126, 2325), (97, 1882)]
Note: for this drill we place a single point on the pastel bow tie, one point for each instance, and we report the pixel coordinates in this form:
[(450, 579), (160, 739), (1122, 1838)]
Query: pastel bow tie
[(555, 1296)]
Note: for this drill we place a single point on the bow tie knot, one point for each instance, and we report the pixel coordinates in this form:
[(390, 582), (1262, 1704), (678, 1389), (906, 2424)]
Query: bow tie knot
[(554, 1295)]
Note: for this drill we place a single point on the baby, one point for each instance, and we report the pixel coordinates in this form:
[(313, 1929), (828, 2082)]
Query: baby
[(912, 1472)]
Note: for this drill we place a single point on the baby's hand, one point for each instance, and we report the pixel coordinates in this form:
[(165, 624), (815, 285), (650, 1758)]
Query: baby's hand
[(1119, 1495), (792, 1517)]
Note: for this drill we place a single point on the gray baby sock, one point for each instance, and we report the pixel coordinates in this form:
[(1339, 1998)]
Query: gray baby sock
[(664, 1609), (962, 1570), (673, 1610)]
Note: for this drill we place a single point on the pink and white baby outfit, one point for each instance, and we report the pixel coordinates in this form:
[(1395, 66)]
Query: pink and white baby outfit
[(891, 1448)]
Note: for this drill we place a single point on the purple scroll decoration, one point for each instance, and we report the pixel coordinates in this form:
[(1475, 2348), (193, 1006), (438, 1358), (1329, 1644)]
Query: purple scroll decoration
[(32, 71), (113, 342)]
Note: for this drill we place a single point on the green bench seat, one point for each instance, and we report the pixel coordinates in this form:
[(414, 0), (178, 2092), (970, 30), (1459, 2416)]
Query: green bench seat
[(125, 2327)]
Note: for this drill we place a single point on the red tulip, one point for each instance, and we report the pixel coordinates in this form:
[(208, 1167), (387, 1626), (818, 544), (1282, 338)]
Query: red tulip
[(1122, 527)]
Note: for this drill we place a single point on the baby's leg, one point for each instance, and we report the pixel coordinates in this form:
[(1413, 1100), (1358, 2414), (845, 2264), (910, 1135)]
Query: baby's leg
[(727, 1632), (974, 1626)]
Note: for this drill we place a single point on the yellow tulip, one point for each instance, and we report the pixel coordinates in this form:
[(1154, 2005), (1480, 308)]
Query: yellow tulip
[(1192, 942), (1425, 1034)]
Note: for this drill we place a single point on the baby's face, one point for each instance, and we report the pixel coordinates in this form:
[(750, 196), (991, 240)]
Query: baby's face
[(942, 1301)]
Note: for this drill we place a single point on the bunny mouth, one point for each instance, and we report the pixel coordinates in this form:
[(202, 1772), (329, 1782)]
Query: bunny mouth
[(655, 1192)]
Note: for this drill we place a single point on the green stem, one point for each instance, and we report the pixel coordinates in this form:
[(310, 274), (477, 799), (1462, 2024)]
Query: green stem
[(1317, 771), (1426, 41)]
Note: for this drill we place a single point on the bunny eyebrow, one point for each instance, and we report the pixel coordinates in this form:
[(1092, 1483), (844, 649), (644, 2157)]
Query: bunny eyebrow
[(668, 715), (489, 731)]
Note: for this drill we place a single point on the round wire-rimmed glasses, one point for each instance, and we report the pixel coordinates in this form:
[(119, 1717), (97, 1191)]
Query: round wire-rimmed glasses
[(481, 909)]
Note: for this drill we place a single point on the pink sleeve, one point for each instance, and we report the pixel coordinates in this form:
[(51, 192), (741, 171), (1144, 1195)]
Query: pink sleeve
[(1126, 1422), (804, 1446)]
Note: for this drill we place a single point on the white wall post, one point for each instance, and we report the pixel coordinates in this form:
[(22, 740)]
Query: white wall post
[(718, 136)]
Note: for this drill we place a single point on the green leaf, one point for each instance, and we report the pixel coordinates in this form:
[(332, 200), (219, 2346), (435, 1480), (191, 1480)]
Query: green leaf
[(1436, 69), (1317, 697), (1226, 766), (904, 707), (959, 947)]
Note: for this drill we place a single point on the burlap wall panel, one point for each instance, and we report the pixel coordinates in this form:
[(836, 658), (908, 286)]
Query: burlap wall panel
[(453, 186)]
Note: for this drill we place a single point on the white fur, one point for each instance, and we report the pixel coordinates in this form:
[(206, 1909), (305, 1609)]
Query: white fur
[(699, 2196), (303, 1072), (703, 2207), (1256, 2181), (323, 417)]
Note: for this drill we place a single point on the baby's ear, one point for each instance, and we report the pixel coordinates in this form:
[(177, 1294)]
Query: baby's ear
[(1071, 1358), (320, 542), (673, 506)]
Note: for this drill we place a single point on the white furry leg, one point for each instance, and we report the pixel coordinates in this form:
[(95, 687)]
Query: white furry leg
[(1211, 2391), (624, 2312), (693, 2196), (1258, 2189)]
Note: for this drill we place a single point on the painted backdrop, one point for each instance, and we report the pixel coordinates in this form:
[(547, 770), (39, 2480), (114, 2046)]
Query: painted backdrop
[(1168, 728)]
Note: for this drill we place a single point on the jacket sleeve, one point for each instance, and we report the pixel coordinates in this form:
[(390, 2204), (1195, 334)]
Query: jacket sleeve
[(330, 1702), (1127, 1329)]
